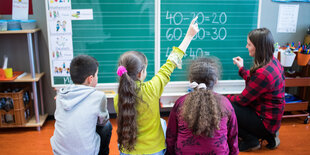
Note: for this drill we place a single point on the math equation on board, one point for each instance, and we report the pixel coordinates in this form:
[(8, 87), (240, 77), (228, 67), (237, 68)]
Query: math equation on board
[(175, 30)]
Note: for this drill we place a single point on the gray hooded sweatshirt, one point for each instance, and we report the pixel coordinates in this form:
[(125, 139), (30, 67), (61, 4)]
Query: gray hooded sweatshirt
[(79, 109)]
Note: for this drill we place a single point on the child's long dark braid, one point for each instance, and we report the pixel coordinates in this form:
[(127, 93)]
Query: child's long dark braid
[(134, 62), (201, 110)]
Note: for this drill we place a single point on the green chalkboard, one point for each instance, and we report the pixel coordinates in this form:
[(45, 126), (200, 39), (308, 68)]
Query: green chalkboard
[(122, 25), (224, 26), (118, 26)]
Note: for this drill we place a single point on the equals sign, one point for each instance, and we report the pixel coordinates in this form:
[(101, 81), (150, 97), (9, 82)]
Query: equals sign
[(207, 18), (207, 53), (186, 18), (207, 33)]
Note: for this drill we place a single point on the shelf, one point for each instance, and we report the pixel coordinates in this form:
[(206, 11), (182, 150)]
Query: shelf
[(298, 114), (31, 122), (20, 31), (28, 78), (298, 109), (33, 51), (297, 82), (296, 106)]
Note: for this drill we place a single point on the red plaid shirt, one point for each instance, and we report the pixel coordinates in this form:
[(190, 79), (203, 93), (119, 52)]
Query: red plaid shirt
[(264, 92)]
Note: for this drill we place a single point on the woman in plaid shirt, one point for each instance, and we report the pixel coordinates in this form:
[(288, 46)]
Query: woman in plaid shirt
[(259, 108)]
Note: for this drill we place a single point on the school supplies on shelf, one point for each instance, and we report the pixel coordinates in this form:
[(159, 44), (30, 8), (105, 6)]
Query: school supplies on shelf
[(3, 25), (28, 24), (289, 98), (287, 57), (22, 75), (302, 51), (15, 75), (276, 50), (303, 59)]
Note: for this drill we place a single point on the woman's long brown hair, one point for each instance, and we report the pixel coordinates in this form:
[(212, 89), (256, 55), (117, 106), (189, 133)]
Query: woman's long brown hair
[(201, 110), (134, 62), (264, 47)]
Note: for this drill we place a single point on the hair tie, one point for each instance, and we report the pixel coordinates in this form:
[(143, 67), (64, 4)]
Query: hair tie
[(202, 86), (194, 85), (121, 70)]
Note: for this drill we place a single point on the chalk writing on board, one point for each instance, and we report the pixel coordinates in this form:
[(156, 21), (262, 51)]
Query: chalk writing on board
[(191, 52), (175, 32), (177, 18)]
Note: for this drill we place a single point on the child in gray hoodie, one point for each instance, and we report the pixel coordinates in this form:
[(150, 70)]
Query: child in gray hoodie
[(82, 120)]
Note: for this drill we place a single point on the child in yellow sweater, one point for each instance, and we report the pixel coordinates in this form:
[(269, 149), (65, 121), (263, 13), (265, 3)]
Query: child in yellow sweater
[(137, 103)]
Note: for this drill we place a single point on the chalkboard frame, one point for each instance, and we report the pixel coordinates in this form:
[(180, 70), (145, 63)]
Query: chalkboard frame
[(174, 86)]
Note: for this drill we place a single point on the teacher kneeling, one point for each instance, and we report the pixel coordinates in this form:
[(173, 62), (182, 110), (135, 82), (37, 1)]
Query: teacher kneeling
[(259, 108)]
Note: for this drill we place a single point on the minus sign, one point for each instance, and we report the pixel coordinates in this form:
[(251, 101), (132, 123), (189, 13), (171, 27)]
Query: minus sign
[(186, 18)]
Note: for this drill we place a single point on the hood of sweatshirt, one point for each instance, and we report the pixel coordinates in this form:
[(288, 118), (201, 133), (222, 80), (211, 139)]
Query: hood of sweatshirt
[(72, 95)]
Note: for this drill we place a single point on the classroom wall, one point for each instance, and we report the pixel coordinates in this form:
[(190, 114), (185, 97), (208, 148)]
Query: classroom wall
[(49, 92), (269, 18)]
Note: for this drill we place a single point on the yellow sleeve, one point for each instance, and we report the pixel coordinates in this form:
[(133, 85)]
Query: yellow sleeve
[(115, 99), (156, 85)]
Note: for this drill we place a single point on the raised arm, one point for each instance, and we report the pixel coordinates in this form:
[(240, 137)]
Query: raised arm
[(191, 32), (160, 80)]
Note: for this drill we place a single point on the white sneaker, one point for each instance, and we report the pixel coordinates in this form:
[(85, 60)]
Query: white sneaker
[(276, 142)]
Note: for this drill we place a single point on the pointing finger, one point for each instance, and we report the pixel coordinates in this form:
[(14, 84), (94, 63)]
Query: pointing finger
[(194, 20)]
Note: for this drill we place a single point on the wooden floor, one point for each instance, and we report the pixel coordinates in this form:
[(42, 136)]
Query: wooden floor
[(294, 136)]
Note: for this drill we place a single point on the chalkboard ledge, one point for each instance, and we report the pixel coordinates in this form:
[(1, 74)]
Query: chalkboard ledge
[(222, 87), (175, 89)]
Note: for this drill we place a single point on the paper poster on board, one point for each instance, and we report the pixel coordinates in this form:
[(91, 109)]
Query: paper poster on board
[(287, 18), (60, 27), (82, 14), (60, 34), (61, 68), (64, 4), (54, 14), (61, 48), (20, 9), (61, 42)]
